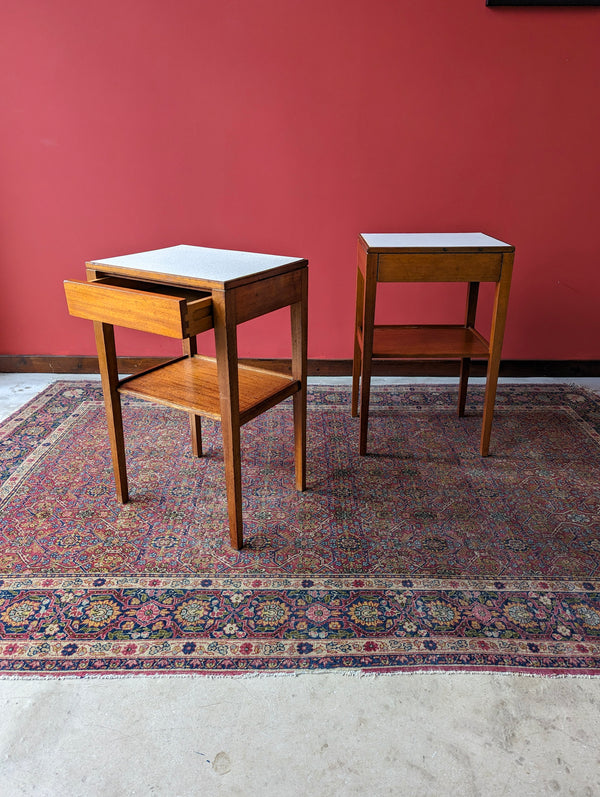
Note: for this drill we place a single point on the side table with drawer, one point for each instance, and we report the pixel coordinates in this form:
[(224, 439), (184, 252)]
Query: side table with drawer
[(180, 292)]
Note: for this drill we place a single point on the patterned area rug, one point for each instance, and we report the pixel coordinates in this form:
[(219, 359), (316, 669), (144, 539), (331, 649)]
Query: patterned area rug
[(421, 555)]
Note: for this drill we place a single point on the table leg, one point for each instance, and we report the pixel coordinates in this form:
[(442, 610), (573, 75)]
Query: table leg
[(368, 321), (465, 363), (190, 348), (299, 320), (227, 369), (496, 338), (357, 361), (107, 360)]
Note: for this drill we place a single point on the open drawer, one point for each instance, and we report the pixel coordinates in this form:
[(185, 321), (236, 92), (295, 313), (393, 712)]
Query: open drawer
[(161, 309)]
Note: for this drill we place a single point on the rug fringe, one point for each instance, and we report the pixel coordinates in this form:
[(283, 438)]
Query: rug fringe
[(353, 673)]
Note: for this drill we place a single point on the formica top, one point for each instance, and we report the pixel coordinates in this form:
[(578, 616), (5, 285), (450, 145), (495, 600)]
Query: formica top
[(433, 241), (199, 265)]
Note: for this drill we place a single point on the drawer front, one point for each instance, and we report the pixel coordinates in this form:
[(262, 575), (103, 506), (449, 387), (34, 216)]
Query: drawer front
[(440, 267), (144, 308)]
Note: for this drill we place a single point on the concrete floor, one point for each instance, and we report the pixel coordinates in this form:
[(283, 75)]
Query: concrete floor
[(420, 735)]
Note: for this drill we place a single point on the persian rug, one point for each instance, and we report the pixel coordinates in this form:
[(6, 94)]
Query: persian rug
[(421, 555)]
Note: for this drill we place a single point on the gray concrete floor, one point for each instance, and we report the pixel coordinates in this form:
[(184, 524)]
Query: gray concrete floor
[(423, 735)]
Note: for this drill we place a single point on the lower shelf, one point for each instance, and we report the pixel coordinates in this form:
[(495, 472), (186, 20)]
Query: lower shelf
[(428, 342), (191, 384)]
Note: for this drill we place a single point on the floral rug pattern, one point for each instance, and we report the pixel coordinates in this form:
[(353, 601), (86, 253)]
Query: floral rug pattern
[(422, 555)]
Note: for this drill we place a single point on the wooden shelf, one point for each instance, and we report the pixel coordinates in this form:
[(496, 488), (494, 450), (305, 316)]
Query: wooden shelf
[(191, 384), (428, 342)]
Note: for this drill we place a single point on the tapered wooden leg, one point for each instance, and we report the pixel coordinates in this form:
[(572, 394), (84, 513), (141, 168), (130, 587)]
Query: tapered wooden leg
[(465, 369), (299, 319), (227, 369), (488, 407), (368, 321), (299, 400), (190, 348), (233, 478), (496, 338), (196, 434), (107, 359), (357, 361), (465, 364)]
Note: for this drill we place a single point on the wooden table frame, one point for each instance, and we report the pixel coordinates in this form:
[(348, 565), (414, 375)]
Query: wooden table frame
[(181, 305), (472, 258)]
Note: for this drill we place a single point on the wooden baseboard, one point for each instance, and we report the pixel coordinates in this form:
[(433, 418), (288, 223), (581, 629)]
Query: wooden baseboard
[(127, 365)]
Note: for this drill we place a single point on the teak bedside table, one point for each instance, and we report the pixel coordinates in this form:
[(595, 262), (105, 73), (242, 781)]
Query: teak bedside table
[(182, 291), (430, 257)]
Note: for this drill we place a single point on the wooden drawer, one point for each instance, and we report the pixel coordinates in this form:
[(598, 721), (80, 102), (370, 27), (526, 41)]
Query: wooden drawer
[(163, 310)]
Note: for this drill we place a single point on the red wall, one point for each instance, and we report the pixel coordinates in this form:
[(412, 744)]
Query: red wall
[(289, 126)]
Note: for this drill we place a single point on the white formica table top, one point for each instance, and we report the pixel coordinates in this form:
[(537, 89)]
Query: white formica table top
[(216, 267), (431, 241)]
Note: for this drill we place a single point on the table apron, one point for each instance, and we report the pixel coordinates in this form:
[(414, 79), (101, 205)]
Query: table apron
[(440, 267), (264, 296)]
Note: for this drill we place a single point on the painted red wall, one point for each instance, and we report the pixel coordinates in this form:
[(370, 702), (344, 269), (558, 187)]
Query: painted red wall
[(289, 126)]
